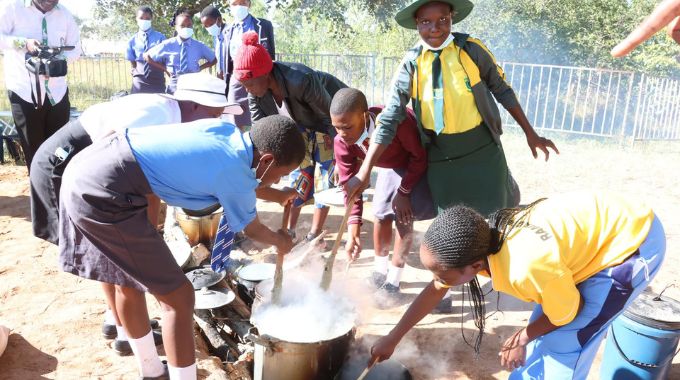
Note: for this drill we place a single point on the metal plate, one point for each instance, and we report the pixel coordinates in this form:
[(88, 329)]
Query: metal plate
[(257, 272), (204, 277), (331, 197), (213, 298)]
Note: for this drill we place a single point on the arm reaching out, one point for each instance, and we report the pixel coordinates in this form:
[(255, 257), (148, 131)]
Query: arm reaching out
[(664, 14)]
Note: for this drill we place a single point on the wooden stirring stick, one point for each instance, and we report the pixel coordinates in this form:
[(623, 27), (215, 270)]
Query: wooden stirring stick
[(328, 268), (365, 373), (278, 274)]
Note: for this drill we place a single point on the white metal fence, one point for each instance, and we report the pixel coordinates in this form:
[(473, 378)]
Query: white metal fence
[(576, 100)]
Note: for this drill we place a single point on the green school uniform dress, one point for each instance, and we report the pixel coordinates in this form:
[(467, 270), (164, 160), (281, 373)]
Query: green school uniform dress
[(450, 90)]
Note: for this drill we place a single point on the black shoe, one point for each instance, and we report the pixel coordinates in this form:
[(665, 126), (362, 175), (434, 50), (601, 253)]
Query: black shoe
[(376, 280), (109, 331), (122, 347), (164, 376), (387, 296), (444, 306)]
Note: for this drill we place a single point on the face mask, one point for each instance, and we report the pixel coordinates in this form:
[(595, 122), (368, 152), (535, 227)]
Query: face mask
[(144, 25), (254, 170), (214, 30), (364, 136), (240, 12), (185, 33)]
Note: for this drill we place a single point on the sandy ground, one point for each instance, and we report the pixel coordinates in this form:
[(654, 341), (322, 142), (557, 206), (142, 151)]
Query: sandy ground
[(55, 317)]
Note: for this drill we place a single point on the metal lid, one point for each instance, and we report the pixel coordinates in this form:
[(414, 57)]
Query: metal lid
[(204, 277), (655, 311), (213, 298), (257, 272)]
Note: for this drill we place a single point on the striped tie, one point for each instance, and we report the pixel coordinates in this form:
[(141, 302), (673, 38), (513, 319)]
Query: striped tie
[(222, 247), (438, 92), (183, 58), (48, 93), (145, 66)]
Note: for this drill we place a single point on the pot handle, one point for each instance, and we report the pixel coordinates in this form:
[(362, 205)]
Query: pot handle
[(257, 339)]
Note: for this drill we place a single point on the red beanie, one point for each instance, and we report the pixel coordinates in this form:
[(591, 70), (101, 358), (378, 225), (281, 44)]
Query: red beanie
[(252, 59)]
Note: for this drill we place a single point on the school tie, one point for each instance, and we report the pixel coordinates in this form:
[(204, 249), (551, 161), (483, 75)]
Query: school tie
[(438, 92), (183, 58), (222, 247), (145, 66)]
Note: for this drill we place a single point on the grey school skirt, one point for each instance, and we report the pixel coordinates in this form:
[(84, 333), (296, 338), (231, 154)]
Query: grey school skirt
[(386, 188), (105, 234)]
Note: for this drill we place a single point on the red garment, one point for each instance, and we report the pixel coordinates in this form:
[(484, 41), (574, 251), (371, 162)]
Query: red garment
[(252, 60), (405, 152)]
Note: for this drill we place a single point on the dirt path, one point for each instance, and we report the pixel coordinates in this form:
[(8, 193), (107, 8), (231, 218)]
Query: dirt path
[(55, 317)]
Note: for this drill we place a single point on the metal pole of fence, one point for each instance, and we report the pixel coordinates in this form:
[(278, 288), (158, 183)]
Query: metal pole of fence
[(578, 91), (528, 100), (383, 79), (566, 99), (585, 102), (521, 83), (666, 96), (596, 102), (547, 97), (606, 102), (637, 104), (675, 122), (538, 96), (649, 115), (557, 98), (373, 67), (616, 104)]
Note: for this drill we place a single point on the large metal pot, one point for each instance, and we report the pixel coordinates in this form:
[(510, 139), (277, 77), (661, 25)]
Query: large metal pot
[(199, 229), (280, 360)]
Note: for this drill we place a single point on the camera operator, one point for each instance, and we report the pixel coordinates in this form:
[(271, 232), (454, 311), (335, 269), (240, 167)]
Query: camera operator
[(25, 27)]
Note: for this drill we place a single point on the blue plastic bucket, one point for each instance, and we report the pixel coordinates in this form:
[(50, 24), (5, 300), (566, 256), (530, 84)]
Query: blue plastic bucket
[(642, 342)]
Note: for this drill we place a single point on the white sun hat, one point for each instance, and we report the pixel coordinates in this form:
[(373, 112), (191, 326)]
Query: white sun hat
[(206, 90)]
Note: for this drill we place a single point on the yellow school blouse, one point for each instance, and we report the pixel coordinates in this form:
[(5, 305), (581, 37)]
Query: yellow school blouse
[(460, 110), (565, 240)]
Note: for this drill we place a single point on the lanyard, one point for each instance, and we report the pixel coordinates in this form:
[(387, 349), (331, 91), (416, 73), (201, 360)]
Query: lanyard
[(44, 42)]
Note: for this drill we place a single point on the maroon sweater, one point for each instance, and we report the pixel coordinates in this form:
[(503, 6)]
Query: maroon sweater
[(405, 152)]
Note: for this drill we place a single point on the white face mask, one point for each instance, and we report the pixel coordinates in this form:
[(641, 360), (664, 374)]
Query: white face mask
[(364, 136), (213, 30), (254, 170), (240, 12), (185, 33), (144, 25)]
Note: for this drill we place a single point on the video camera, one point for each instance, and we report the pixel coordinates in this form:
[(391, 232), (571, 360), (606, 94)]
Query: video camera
[(47, 61)]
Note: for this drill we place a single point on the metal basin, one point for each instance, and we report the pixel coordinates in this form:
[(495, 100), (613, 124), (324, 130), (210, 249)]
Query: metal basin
[(199, 229)]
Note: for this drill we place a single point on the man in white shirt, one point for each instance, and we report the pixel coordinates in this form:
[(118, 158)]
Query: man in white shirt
[(24, 26)]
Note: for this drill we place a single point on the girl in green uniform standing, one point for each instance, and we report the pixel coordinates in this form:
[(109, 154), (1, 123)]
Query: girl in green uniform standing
[(449, 79)]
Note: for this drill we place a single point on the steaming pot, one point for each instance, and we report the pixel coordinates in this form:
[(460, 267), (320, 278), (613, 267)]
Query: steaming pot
[(280, 360), (199, 226)]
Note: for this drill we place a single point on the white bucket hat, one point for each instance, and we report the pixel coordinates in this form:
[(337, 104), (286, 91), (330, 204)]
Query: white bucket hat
[(206, 90)]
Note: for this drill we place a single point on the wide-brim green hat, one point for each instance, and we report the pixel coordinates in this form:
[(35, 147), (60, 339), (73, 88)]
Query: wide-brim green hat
[(407, 16)]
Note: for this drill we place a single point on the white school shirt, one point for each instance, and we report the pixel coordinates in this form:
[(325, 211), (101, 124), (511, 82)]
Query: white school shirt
[(21, 20), (283, 110), (131, 111)]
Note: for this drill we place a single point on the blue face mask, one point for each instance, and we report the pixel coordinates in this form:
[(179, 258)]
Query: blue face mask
[(213, 30), (364, 136), (254, 170)]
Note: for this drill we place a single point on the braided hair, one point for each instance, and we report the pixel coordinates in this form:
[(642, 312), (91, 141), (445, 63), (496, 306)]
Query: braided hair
[(180, 11), (460, 236)]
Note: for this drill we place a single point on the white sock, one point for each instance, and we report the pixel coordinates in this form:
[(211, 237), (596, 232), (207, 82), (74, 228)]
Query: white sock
[(109, 319), (121, 333), (145, 352), (380, 264), (394, 275), (186, 373)]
